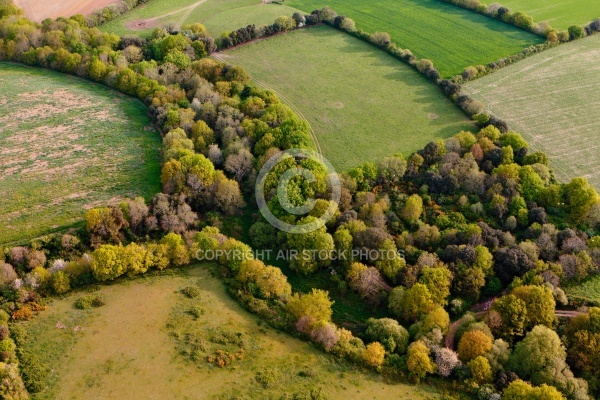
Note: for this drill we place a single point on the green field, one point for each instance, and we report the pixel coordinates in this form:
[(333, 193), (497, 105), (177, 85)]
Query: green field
[(216, 15), (68, 145), (133, 348), (550, 99), (560, 13), (362, 103), (452, 37), (588, 291)]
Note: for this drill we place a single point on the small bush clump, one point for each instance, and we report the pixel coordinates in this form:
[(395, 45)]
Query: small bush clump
[(191, 292), (197, 311), (267, 378), (226, 336), (89, 301), (224, 359)]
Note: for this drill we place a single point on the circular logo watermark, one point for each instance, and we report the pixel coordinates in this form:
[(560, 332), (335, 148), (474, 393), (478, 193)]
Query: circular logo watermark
[(283, 187)]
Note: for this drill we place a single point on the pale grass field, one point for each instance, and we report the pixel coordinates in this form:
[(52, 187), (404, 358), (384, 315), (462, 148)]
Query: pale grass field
[(123, 350)]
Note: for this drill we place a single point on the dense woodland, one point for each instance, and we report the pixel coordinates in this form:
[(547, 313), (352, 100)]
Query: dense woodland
[(475, 218)]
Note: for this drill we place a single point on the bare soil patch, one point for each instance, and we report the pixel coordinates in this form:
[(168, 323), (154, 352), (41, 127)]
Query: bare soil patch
[(38, 10)]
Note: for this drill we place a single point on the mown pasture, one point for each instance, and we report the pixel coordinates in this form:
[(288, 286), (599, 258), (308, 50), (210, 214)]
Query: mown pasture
[(559, 13), (67, 145), (452, 37), (136, 346), (550, 99), (217, 15), (362, 103)]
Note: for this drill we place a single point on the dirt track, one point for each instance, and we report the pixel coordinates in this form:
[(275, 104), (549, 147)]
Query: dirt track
[(155, 21), (38, 10)]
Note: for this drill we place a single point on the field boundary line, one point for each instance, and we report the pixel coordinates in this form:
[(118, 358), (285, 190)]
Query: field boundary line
[(289, 103)]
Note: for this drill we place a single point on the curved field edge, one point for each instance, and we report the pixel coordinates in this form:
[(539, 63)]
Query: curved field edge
[(67, 145), (98, 353), (362, 103), (217, 16), (559, 13), (550, 99), (452, 37)]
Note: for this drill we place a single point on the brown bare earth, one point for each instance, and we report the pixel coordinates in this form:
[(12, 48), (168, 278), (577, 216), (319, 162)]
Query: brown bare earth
[(38, 10)]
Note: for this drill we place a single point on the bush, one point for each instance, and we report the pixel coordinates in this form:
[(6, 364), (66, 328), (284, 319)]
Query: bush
[(61, 282), (374, 355), (191, 292), (7, 345), (389, 333), (576, 32), (197, 311), (4, 332), (267, 378), (381, 39), (34, 372), (11, 384), (89, 301)]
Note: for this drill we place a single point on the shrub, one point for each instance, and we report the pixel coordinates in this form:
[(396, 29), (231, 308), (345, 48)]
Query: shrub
[(522, 20), (4, 317), (576, 32), (34, 372), (469, 73), (381, 39), (197, 311), (424, 65), (389, 333), (326, 336), (4, 332), (61, 283), (374, 355), (11, 384), (191, 292), (480, 370), (7, 345), (89, 301), (446, 360), (267, 378)]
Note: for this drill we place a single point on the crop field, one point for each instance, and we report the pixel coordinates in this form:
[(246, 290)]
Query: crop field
[(551, 99), (362, 103), (560, 13), (132, 347), (587, 291), (452, 37), (216, 15), (39, 10), (67, 145)]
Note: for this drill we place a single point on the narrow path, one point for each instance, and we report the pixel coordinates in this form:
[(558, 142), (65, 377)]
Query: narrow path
[(187, 14), (288, 102)]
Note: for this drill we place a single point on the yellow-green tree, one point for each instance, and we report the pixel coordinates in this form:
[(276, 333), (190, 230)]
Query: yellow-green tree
[(315, 304), (473, 344), (419, 362), (374, 354)]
